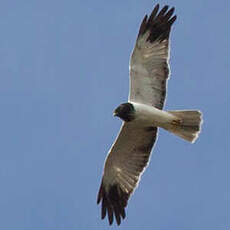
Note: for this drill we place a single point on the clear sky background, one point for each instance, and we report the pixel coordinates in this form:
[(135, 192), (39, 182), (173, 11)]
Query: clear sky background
[(63, 69)]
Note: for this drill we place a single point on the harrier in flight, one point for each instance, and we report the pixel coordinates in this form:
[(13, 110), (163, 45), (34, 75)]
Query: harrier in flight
[(143, 114)]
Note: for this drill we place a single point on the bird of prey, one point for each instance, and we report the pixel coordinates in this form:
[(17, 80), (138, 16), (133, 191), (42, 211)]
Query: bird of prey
[(143, 114)]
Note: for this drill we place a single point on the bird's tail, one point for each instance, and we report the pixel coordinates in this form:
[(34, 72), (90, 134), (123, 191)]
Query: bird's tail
[(187, 124)]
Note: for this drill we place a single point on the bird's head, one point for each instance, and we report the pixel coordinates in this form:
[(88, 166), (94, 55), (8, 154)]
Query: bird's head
[(125, 111)]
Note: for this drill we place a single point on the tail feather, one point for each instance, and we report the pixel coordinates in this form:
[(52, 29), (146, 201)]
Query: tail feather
[(187, 124)]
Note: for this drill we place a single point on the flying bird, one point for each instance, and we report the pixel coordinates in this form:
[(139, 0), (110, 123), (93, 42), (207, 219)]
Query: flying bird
[(143, 114)]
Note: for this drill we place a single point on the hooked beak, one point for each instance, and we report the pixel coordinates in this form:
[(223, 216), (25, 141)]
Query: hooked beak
[(114, 114)]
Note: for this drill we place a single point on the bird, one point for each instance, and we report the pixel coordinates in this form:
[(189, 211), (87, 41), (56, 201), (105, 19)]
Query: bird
[(142, 115)]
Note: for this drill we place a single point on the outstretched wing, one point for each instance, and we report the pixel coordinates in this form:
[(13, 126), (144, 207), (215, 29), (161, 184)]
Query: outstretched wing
[(123, 167), (149, 69)]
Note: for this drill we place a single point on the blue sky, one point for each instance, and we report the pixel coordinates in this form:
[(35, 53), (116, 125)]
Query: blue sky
[(63, 69)]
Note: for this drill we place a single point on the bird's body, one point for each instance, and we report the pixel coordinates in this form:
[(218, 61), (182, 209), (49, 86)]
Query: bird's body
[(150, 116), (143, 114)]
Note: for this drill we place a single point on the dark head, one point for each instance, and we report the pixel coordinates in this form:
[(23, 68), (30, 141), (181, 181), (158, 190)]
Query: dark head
[(125, 111)]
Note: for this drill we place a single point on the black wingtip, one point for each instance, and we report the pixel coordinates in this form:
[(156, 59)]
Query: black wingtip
[(154, 12), (170, 13), (99, 196), (163, 11), (172, 20), (143, 25), (114, 202), (159, 23)]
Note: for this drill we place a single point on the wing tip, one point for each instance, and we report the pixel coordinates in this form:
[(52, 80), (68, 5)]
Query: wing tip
[(114, 202), (158, 23), (99, 196)]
